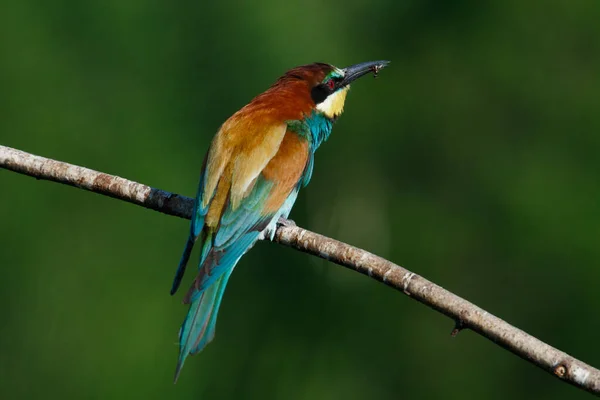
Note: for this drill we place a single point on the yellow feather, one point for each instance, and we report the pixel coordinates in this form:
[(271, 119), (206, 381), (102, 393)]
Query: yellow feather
[(241, 150), (218, 156), (252, 160), (333, 106)]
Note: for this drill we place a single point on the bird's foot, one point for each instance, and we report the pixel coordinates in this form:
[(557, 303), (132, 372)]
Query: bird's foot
[(285, 222), (269, 231)]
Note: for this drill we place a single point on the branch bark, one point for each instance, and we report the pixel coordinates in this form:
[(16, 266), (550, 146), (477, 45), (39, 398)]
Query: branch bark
[(464, 313)]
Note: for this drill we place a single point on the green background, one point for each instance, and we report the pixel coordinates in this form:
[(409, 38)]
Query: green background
[(472, 160)]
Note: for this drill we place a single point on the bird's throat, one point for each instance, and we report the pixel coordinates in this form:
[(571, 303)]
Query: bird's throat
[(333, 105)]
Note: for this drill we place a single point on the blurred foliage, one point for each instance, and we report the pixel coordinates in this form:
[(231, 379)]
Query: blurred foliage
[(472, 160)]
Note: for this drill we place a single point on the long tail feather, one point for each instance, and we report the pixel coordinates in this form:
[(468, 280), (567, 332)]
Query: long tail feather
[(182, 264), (199, 326)]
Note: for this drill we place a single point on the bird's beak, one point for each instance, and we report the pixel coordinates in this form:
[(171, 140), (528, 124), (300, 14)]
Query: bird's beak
[(354, 72)]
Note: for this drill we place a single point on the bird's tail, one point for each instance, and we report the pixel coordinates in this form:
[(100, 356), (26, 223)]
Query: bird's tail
[(199, 326)]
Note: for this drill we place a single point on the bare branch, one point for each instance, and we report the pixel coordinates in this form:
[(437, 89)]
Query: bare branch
[(464, 313)]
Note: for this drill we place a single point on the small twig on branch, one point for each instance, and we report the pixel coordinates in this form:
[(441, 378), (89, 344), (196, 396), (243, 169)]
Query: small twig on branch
[(465, 314)]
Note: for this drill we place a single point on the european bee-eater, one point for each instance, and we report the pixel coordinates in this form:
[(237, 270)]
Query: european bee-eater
[(255, 166)]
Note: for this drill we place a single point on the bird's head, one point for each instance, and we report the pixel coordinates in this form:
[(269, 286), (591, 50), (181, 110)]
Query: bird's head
[(326, 86)]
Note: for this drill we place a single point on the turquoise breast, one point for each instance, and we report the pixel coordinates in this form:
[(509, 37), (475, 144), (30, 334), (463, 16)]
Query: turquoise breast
[(316, 128)]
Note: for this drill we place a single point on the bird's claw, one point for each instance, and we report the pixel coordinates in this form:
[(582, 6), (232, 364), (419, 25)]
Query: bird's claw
[(269, 231), (285, 222)]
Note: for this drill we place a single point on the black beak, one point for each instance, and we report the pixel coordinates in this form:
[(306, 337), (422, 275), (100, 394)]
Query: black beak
[(354, 72)]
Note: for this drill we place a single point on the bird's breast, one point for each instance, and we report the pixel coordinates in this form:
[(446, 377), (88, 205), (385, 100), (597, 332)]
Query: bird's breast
[(317, 128), (285, 169)]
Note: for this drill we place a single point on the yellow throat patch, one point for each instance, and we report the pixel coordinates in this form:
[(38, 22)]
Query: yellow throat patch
[(333, 106)]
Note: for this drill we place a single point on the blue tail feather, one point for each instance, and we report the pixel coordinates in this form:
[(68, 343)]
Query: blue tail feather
[(199, 326), (222, 247)]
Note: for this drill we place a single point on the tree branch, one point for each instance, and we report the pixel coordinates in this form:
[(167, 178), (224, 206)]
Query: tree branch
[(464, 313)]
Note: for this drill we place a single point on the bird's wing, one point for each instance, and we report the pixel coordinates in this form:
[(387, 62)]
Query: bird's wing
[(248, 196), (231, 175), (237, 154)]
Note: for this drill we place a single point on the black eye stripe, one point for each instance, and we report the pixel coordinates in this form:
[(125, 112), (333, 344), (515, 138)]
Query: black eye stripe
[(320, 92)]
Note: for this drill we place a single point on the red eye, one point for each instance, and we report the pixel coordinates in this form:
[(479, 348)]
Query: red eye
[(331, 84)]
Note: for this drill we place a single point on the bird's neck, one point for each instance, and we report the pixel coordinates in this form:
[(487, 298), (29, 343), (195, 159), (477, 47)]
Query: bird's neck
[(315, 127)]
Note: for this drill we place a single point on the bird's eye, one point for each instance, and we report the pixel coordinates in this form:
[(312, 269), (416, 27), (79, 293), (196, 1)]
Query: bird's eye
[(331, 84)]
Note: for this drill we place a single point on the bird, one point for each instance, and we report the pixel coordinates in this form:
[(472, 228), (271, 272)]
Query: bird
[(251, 175)]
